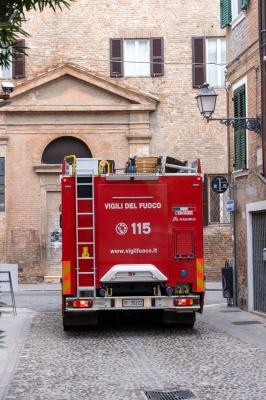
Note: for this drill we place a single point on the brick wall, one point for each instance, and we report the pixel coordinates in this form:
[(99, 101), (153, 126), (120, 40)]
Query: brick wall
[(217, 248), (81, 35)]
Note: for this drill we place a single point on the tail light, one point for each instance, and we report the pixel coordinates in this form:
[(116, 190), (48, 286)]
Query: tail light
[(183, 302), (82, 303)]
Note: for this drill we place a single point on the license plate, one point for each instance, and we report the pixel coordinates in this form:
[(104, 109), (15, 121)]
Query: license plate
[(133, 302)]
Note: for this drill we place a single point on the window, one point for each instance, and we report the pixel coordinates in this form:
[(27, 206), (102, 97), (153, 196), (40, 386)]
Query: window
[(214, 204), (16, 68), (230, 9), (2, 184), (216, 61), (218, 213), (6, 72), (208, 61), (236, 6), (240, 145), (136, 57)]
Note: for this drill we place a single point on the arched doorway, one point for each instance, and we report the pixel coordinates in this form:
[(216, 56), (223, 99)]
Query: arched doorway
[(54, 153)]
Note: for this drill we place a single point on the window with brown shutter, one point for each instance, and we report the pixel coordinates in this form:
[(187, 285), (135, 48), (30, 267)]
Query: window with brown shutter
[(18, 66), (198, 61), (136, 57), (116, 57), (157, 56)]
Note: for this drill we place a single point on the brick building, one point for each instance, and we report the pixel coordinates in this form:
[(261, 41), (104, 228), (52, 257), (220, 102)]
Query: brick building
[(244, 69), (107, 80)]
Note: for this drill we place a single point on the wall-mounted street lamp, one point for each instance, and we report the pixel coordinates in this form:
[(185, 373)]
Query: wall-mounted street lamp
[(206, 100)]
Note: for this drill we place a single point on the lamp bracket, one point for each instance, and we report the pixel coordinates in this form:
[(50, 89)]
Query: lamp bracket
[(250, 124)]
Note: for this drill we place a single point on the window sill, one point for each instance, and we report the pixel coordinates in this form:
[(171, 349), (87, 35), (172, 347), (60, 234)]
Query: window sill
[(138, 76), (238, 19), (240, 173)]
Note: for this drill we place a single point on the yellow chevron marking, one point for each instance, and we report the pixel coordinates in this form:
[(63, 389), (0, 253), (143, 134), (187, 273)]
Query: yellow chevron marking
[(200, 274), (66, 277)]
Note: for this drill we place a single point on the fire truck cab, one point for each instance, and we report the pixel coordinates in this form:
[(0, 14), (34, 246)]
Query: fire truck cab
[(131, 240)]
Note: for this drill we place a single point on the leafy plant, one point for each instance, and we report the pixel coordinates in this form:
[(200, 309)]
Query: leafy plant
[(12, 17)]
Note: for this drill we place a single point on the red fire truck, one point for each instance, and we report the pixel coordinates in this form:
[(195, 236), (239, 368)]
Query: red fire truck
[(131, 240)]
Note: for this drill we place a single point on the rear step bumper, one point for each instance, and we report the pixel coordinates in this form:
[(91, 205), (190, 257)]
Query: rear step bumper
[(134, 303)]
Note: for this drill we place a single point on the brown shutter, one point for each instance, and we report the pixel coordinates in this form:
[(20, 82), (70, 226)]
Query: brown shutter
[(198, 61), (205, 201), (157, 56), (116, 57), (18, 66)]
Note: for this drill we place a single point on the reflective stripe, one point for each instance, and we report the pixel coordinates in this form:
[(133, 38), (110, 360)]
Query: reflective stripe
[(200, 274), (66, 277)]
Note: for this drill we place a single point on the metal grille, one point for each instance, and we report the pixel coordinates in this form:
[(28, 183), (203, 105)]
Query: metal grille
[(175, 395), (259, 266), (218, 213), (184, 245)]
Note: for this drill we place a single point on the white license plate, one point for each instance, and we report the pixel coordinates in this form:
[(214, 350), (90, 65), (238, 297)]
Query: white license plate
[(133, 302)]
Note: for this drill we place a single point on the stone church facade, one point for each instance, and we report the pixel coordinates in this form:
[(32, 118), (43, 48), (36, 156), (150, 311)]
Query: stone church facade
[(115, 79)]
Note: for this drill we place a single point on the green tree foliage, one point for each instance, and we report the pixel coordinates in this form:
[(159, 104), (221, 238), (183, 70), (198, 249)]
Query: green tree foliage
[(12, 17)]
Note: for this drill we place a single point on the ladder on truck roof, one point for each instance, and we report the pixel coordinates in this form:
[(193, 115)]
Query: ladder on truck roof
[(88, 175)]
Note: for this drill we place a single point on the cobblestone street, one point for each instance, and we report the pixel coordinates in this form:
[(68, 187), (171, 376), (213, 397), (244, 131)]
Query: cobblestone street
[(121, 362)]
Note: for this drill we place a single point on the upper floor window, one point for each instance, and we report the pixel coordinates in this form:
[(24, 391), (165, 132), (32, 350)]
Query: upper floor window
[(16, 68), (230, 10), (6, 72), (136, 57), (208, 61), (216, 60), (240, 138), (236, 6)]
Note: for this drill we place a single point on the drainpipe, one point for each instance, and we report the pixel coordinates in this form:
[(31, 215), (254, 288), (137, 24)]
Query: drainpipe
[(262, 39)]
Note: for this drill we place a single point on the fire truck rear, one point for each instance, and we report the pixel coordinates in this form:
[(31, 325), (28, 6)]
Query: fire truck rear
[(131, 240)]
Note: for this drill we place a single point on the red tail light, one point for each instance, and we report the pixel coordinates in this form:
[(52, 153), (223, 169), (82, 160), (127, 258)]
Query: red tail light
[(183, 302), (82, 303)]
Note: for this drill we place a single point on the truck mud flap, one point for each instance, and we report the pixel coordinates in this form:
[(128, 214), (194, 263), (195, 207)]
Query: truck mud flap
[(74, 320), (172, 317)]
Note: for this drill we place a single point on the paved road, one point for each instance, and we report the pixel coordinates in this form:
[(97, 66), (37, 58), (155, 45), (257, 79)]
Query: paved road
[(121, 362)]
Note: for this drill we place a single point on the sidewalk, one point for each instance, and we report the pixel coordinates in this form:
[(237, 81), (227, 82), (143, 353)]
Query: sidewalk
[(15, 331), (246, 326)]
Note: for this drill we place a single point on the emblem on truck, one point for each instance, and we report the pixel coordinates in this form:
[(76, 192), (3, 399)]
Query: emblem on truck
[(121, 228)]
